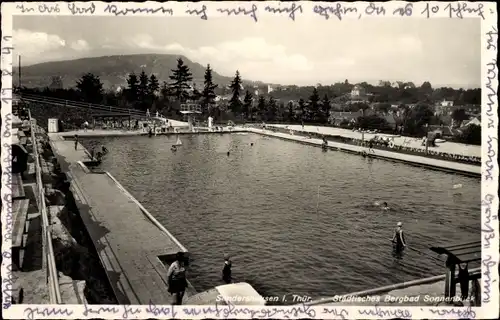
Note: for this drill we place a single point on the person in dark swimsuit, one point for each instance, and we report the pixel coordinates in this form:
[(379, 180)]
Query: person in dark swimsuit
[(226, 271), (76, 141), (399, 239)]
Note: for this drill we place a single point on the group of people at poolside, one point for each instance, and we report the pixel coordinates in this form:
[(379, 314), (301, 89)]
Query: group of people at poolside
[(177, 280), (94, 156)]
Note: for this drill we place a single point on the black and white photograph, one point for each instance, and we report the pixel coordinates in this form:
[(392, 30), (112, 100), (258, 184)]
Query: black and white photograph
[(180, 161)]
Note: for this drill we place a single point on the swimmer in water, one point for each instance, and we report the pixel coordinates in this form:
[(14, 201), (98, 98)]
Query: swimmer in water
[(228, 153), (173, 148), (385, 206), (251, 144)]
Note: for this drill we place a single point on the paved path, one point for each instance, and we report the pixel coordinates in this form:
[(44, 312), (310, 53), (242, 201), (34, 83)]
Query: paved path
[(127, 241), (447, 147), (406, 158)]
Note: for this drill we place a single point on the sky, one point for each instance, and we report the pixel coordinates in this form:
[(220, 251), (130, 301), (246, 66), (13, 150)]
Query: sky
[(309, 51)]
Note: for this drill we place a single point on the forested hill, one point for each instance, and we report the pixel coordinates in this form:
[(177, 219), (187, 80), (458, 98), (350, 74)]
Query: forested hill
[(113, 70)]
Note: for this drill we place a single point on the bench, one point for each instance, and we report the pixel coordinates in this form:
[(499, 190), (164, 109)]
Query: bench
[(19, 230), (457, 254), (17, 186)]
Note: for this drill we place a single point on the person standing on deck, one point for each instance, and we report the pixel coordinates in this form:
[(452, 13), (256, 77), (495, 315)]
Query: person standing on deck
[(76, 141), (226, 271), (325, 143), (176, 275), (399, 238), (370, 146)]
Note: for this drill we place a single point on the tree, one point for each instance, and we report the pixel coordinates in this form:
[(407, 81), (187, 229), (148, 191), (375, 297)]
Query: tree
[(153, 85), (291, 112), (57, 83), (247, 105), (302, 108), (355, 107), (458, 116), (261, 108), (419, 116), (314, 111), (180, 81), (372, 122), (272, 109), (89, 87), (382, 107), (195, 94), (208, 94), (426, 88), (235, 102), (133, 88), (143, 92), (325, 109), (254, 111), (280, 111)]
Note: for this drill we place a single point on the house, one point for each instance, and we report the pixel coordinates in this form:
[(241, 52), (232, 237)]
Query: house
[(358, 93), (441, 109), (475, 120), (473, 109), (446, 103), (226, 97)]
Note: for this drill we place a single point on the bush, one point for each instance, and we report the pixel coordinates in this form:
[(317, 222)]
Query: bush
[(372, 122)]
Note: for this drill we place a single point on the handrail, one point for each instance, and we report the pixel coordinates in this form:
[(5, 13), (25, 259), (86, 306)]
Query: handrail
[(48, 251), (81, 104)]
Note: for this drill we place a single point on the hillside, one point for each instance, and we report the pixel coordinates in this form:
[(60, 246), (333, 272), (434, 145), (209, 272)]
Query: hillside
[(113, 70)]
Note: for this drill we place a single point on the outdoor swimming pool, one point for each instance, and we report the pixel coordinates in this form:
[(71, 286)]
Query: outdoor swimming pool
[(295, 219)]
